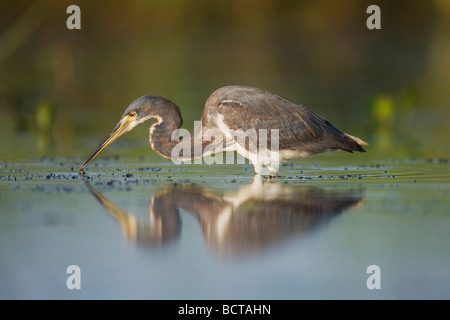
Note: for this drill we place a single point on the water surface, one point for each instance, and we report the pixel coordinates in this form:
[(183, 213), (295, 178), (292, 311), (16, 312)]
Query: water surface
[(161, 231)]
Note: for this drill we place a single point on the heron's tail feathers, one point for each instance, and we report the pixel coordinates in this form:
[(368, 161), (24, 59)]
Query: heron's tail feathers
[(359, 142)]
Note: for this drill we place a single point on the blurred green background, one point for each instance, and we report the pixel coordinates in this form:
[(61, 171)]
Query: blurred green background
[(63, 90)]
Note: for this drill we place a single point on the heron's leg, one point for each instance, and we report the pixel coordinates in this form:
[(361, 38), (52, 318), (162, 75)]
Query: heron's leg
[(273, 168)]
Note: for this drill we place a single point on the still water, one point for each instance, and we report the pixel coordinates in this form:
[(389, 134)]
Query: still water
[(154, 230)]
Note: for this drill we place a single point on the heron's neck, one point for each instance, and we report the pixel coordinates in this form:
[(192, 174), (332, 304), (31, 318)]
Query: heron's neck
[(161, 135), (165, 136)]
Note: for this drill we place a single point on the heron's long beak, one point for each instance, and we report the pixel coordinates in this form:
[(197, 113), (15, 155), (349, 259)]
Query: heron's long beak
[(122, 127)]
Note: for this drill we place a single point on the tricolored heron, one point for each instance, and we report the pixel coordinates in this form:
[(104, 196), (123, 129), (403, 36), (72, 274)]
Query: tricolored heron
[(301, 132)]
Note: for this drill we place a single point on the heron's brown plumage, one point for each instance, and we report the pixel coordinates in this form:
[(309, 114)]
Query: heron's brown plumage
[(299, 128)]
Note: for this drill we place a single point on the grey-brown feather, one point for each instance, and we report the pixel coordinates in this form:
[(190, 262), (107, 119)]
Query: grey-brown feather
[(299, 128)]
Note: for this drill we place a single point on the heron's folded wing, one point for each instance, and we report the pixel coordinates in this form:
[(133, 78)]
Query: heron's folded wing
[(298, 128)]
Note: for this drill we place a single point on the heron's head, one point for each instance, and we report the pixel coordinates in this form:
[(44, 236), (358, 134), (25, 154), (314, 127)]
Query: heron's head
[(140, 110)]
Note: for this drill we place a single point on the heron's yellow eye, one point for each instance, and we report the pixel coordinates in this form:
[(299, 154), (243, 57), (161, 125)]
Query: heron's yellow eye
[(132, 114)]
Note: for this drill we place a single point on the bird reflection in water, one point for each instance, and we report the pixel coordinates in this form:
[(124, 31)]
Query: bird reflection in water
[(254, 218)]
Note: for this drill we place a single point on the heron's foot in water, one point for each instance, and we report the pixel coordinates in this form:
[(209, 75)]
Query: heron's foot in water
[(273, 170)]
